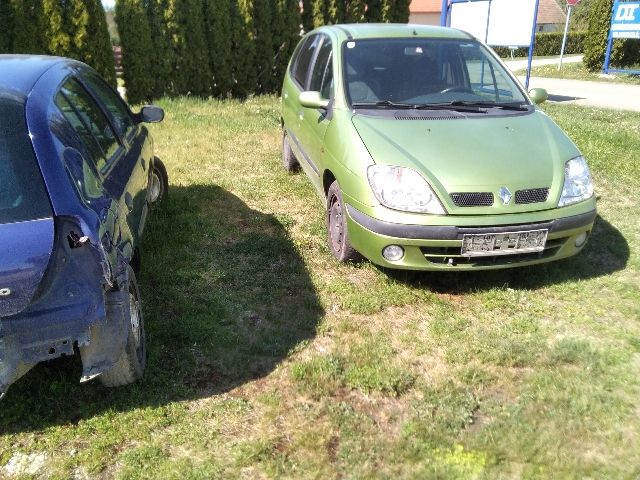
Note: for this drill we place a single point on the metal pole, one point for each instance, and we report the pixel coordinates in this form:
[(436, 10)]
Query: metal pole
[(533, 41), (564, 39), (444, 13)]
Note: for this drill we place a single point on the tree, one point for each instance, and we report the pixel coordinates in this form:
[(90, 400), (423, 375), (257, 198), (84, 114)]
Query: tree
[(354, 11), (244, 74), (397, 11), (6, 32), (218, 32), (135, 40), (289, 36), (162, 53), (29, 26), (95, 50), (185, 28), (263, 17), (57, 35), (374, 12)]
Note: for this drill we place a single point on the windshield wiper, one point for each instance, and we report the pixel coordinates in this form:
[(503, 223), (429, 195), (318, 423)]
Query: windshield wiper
[(521, 107), (383, 103), (420, 106)]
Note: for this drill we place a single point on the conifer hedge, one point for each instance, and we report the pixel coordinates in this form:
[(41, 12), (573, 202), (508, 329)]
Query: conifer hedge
[(225, 47), (70, 28)]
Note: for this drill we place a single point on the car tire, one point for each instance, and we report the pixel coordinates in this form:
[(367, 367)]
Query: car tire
[(337, 234), (159, 182), (130, 366), (289, 160)]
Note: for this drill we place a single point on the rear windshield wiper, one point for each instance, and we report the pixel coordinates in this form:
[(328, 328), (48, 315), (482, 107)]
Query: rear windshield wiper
[(420, 106), (521, 107)]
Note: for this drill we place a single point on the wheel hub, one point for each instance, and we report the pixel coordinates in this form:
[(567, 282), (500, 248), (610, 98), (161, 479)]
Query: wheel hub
[(134, 315)]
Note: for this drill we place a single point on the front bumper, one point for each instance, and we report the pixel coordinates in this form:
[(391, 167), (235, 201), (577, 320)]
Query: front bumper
[(438, 247)]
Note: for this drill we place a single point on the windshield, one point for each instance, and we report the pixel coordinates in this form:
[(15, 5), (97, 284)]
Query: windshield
[(425, 71), (22, 191)]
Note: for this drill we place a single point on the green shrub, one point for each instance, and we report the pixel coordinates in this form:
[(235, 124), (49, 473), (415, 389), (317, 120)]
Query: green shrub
[(6, 20), (135, 40), (549, 43), (218, 31)]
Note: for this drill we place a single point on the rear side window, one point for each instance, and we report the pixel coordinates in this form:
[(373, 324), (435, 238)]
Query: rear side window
[(22, 192), (303, 60), (89, 122), (116, 107)]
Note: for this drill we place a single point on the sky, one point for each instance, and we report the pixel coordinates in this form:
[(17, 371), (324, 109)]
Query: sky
[(108, 3)]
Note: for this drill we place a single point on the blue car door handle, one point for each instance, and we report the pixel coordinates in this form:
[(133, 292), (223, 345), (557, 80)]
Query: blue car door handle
[(128, 200)]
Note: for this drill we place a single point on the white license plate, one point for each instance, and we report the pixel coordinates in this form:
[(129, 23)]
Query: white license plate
[(508, 243)]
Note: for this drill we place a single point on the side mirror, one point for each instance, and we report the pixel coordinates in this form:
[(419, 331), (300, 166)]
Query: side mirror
[(313, 100), (150, 114), (538, 95)]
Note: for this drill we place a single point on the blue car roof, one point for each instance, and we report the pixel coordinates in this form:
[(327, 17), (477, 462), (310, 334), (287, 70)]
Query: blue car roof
[(19, 73)]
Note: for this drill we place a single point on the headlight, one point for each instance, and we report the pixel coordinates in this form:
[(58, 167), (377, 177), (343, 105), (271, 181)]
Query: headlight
[(577, 182), (403, 189)]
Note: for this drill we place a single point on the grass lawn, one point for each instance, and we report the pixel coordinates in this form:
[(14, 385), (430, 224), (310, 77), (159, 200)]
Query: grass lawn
[(268, 359), (577, 71)]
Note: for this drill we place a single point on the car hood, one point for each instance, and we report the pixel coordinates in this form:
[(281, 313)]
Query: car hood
[(474, 154), (24, 256)]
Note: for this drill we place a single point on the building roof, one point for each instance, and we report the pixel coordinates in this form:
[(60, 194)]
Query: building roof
[(548, 11)]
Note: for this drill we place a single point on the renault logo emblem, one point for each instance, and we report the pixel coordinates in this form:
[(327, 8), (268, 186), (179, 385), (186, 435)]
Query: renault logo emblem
[(5, 292), (505, 195)]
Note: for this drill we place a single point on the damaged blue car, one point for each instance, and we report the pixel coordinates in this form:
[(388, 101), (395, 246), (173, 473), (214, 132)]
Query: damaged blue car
[(77, 179)]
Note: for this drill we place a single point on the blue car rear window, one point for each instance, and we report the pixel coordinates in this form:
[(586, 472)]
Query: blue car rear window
[(22, 191)]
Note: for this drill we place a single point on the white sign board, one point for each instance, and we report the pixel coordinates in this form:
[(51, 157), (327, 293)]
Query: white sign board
[(510, 21)]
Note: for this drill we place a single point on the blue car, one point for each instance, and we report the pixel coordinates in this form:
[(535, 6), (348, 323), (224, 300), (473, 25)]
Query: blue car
[(77, 179)]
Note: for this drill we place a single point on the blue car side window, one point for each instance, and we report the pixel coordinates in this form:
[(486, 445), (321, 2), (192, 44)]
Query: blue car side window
[(89, 122), (120, 115)]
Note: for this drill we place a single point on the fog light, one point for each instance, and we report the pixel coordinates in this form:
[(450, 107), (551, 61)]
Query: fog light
[(393, 253), (580, 239)]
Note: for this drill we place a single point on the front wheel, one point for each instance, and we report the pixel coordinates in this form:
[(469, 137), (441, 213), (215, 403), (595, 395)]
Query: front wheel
[(337, 233), (159, 183), (289, 160), (130, 366)]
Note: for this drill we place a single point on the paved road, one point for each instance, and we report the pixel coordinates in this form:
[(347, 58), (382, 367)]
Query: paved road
[(607, 94), (619, 96)]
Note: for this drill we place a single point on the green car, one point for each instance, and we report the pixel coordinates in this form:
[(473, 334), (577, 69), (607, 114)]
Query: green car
[(428, 152)]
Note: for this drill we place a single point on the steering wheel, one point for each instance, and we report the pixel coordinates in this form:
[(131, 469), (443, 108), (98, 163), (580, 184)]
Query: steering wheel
[(456, 88)]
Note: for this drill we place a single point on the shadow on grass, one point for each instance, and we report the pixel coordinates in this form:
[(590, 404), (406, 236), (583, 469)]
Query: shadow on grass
[(606, 252), (225, 296)]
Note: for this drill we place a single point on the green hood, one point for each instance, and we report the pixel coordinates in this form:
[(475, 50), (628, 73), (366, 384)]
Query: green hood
[(476, 154)]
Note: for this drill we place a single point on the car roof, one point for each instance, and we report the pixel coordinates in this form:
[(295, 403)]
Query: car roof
[(19, 73), (355, 31)]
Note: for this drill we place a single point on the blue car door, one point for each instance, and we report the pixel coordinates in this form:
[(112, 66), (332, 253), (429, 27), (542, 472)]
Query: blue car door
[(130, 175)]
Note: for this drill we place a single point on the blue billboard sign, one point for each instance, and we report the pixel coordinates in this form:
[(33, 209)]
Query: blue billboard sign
[(625, 22)]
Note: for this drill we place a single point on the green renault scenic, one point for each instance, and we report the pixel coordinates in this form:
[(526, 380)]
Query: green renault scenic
[(428, 153)]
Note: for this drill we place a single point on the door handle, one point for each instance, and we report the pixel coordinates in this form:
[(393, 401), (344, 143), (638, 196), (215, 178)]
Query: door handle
[(128, 200)]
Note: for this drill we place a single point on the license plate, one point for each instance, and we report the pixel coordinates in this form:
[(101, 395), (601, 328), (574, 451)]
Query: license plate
[(509, 243)]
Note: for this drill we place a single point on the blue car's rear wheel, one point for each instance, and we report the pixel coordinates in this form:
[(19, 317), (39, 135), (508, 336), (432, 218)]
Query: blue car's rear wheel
[(130, 367), (337, 233)]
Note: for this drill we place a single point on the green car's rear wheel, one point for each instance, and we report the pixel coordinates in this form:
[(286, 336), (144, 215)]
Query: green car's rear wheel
[(337, 233), (289, 160)]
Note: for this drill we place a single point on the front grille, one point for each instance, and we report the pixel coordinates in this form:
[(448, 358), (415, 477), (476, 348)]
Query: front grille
[(472, 199), (533, 195)]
